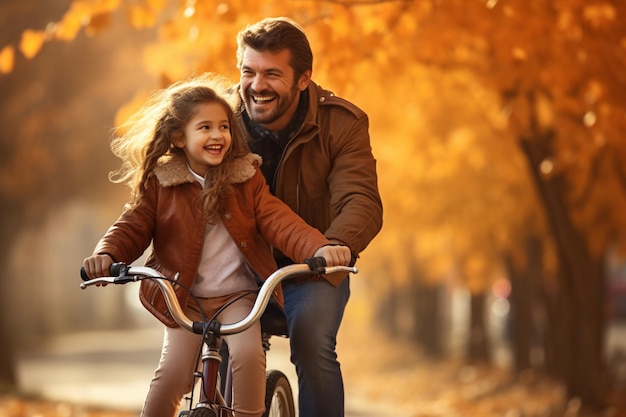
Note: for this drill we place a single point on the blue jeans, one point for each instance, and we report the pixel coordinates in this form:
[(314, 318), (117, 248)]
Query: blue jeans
[(314, 310)]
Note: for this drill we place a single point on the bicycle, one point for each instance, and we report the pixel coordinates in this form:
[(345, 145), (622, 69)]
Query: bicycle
[(214, 398)]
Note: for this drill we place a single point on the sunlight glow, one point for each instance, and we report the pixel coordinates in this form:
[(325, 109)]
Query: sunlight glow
[(7, 59), (501, 288), (500, 307), (194, 33), (189, 11), (222, 8), (546, 166), (589, 119), (491, 4)]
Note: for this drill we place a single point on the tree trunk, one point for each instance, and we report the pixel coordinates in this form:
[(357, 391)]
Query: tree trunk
[(527, 321), (582, 281), (8, 380), (428, 323), (562, 326), (387, 311), (521, 326), (478, 349)]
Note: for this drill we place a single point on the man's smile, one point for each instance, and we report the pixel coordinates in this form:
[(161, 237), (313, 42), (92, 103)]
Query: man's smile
[(260, 99)]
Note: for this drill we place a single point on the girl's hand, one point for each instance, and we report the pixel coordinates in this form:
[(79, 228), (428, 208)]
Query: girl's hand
[(335, 255), (97, 266)]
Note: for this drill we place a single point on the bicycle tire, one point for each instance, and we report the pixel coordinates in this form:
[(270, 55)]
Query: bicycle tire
[(203, 412), (279, 400)]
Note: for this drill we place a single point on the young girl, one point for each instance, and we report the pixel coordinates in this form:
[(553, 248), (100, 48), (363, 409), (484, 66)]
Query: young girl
[(199, 198)]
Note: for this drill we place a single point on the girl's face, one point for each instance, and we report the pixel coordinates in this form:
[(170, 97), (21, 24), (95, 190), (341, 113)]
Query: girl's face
[(207, 137)]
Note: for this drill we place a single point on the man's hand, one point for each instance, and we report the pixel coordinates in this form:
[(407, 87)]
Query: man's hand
[(335, 255)]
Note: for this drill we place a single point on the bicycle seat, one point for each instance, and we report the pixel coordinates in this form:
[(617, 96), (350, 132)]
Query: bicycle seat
[(273, 320)]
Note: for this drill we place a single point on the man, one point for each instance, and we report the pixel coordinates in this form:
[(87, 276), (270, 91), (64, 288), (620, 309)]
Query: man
[(317, 158)]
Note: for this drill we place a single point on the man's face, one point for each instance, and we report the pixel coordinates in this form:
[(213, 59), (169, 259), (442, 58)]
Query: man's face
[(268, 88)]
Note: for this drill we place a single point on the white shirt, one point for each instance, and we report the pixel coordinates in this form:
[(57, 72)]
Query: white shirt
[(223, 269)]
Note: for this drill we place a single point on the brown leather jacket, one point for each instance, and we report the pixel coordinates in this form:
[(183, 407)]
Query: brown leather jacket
[(327, 174), (169, 218)]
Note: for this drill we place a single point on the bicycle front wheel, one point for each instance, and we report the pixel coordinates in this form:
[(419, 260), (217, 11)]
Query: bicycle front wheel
[(278, 396), (203, 412)]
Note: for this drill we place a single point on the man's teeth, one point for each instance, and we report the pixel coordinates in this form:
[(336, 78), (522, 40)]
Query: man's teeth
[(262, 98)]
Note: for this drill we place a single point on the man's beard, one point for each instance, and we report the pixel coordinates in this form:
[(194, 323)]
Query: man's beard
[(283, 103)]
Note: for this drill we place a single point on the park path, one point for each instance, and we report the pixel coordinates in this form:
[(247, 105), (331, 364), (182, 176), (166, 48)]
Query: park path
[(113, 369)]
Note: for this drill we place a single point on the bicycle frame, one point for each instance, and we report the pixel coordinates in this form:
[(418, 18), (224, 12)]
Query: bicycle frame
[(211, 402)]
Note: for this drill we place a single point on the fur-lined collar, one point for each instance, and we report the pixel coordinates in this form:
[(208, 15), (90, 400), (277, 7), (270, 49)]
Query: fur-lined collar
[(173, 170)]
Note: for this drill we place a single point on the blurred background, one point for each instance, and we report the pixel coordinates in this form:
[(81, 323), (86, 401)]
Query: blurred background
[(498, 127)]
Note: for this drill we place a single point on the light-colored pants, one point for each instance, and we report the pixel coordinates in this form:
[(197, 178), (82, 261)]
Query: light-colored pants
[(173, 377)]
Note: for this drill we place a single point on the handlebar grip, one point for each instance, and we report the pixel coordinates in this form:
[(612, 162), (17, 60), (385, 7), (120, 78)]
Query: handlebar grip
[(317, 264), (83, 274), (118, 269), (115, 270)]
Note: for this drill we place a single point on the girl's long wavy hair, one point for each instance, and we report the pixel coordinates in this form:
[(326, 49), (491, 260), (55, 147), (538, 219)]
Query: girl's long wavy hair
[(151, 134)]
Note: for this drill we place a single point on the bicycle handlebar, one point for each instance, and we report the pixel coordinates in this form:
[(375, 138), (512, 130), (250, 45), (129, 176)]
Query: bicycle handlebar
[(122, 274)]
